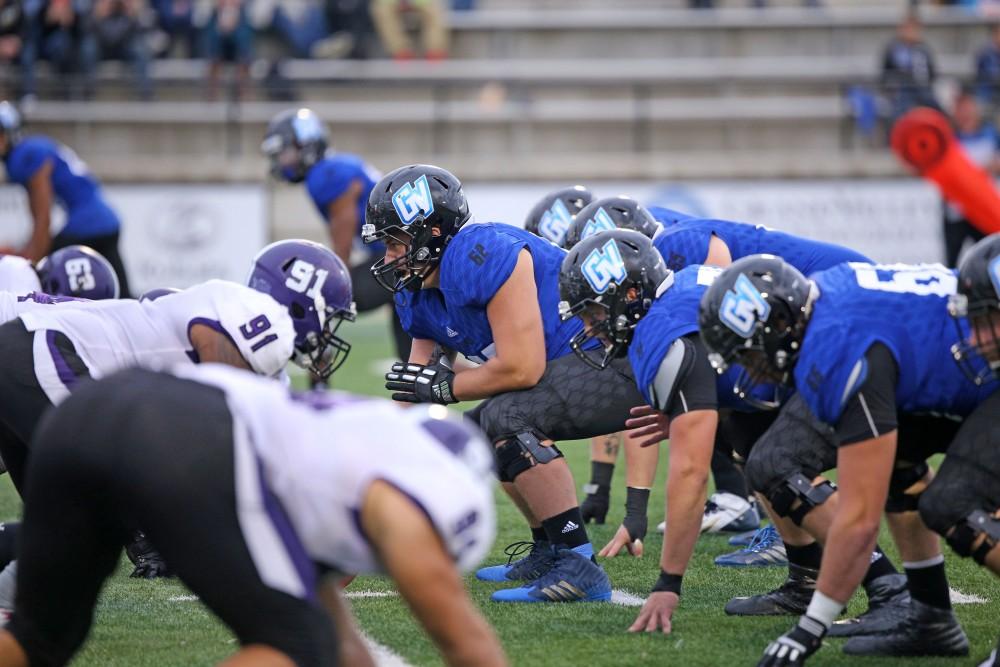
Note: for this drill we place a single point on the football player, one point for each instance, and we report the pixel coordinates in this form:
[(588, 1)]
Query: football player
[(52, 173), (254, 495), (868, 348), (552, 218), (338, 183), (490, 291), (80, 272)]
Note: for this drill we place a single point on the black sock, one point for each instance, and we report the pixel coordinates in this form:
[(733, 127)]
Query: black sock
[(539, 535), (928, 582), (811, 555), (601, 474), (880, 566), (566, 529)]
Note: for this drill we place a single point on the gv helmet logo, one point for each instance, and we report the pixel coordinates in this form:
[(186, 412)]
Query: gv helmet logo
[(743, 306), (555, 222), (601, 222), (413, 201), (604, 266)]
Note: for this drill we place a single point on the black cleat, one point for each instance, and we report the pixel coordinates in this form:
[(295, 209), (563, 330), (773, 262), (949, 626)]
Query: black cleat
[(926, 631), (149, 564), (790, 599), (888, 608)]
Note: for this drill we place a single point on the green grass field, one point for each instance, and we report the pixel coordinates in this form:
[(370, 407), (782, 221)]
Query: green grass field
[(160, 624)]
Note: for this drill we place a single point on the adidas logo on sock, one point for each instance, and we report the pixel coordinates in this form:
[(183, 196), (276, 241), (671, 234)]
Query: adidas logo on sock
[(569, 527)]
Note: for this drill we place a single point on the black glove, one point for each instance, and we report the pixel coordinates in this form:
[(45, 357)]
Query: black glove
[(595, 505), (792, 648), (417, 383), (636, 521), (149, 564)]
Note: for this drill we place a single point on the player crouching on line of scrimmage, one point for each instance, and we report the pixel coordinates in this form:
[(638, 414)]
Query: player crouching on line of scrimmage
[(252, 493)]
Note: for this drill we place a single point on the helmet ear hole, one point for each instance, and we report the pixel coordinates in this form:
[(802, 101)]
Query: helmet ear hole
[(297, 311)]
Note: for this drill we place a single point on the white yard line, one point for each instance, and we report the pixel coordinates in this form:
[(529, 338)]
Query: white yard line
[(183, 598), (354, 595), (626, 599), (384, 656), (958, 597)]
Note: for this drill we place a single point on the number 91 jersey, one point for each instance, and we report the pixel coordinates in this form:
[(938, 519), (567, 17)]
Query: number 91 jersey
[(902, 306), (111, 335)]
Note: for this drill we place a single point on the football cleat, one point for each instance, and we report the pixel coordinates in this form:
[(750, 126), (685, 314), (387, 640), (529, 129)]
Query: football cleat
[(790, 599), (538, 561), (574, 577), (927, 630), (742, 539), (888, 607), (149, 564), (765, 549), (730, 513)]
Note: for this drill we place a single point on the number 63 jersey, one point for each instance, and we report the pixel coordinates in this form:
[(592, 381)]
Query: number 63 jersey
[(111, 335), (902, 306)]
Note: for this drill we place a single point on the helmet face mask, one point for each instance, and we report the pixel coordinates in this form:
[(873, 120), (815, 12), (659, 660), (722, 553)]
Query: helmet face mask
[(417, 207), (322, 354), (610, 282)]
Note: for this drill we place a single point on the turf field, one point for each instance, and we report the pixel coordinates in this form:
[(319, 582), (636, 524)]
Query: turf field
[(160, 623)]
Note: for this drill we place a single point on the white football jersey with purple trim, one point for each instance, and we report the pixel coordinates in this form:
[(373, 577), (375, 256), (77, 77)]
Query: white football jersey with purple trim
[(17, 275), (309, 457), (113, 334)]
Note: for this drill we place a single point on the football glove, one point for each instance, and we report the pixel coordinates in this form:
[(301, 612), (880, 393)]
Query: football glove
[(792, 648), (595, 505), (419, 383)]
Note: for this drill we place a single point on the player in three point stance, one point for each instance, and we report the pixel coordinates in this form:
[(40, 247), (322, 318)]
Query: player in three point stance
[(74, 271), (253, 495), (867, 348), (490, 291), (963, 502), (338, 184), (53, 174)]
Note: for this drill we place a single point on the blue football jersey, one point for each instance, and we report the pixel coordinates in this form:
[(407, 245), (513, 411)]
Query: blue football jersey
[(476, 263), (329, 178), (902, 306), (674, 314), (687, 243), (667, 217), (75, 188)]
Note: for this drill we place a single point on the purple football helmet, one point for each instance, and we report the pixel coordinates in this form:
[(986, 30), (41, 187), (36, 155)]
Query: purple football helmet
[(315, 286), (78, 271), (157, 292)]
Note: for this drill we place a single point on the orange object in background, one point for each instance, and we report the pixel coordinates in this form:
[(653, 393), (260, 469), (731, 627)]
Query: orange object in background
[(924, 140)]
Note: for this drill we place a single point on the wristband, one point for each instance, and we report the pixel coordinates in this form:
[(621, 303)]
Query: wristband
[(636, 501), (824, 609), (669, 583)]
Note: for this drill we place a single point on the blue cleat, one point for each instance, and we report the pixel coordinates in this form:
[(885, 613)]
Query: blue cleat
[(574, 577), (538, 561), (765, 549)]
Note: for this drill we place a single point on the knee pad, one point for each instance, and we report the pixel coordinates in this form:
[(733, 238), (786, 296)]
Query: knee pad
[(967, 532), (903, 478), (523, 452), (799, 487)]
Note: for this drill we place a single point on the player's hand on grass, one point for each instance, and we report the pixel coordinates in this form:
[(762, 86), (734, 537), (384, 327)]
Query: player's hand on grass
[(792, 648), (657, 613), (648, 425), (622, 540)]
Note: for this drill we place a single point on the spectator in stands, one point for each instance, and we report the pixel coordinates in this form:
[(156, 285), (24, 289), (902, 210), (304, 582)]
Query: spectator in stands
[(327, 29), (118, 28), (908, 69), (176, 19), (228, 37), (981, 142), (12, 25), (388, 18), (60, 32), (988, 70)]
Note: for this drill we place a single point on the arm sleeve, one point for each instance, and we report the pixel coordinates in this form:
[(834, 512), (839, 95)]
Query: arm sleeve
[(479, 263), (871, 411), (685, 380)]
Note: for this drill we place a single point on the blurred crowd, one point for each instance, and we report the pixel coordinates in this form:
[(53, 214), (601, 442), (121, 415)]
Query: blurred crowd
[(73, 36)]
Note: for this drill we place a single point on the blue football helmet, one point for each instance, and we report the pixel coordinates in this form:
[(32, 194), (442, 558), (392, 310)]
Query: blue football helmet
[(296, 140), (79, 272), (315, 286)]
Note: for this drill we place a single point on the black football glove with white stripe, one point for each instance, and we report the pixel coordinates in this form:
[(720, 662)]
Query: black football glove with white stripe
[(792, 648)]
